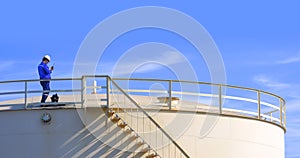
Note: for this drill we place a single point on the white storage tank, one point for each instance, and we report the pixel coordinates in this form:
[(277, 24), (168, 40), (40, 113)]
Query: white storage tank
[(110, 121)]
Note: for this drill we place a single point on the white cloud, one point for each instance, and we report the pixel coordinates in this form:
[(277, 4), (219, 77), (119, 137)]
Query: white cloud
[(270, 83), (147, 63), (293, 59), (148, 68), (290, 92), (293, 105), (285, 89)]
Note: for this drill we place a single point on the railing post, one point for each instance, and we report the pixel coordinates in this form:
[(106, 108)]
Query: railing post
[(220, 99), (258, 104), (95, 87), (26, 91), (280, 101), (107, 90), (271, 116), (170, 95), (284, 107), (83, 90)]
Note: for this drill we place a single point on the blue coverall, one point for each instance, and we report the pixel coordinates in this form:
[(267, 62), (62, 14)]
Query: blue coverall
[(45, 74)]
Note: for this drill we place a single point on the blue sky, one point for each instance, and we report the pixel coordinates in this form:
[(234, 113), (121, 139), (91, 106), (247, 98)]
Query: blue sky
[(259, 42)]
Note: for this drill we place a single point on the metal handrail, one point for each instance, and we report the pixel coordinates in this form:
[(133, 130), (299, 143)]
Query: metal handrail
[(259, 114), (143, 79), (205, 95), (150, 118), (204, 83), (281, 107), (37, 80), (26, 91)]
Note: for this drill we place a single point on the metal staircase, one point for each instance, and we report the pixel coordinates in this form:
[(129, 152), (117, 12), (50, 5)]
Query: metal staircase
[(141, 148), (128, 115)]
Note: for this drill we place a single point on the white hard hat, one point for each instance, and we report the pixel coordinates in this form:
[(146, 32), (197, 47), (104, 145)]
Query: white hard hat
[(47, 57)]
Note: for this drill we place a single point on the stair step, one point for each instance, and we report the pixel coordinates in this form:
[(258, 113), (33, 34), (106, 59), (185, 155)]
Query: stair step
[(135, 136), (110, 113), (140, 143), (146, 149), (103, 99), (115, 118), (152, 155), (128, 130), (122, 125), (138, 146), (142, 152)]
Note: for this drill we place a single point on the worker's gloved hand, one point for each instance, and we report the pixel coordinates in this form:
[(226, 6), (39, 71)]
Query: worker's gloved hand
[(52, 68)]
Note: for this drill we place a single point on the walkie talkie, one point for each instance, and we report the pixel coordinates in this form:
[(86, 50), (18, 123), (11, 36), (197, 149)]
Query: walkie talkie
[(52, 67)]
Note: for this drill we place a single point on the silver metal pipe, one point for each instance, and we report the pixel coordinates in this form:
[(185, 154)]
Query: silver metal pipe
[(25, 97), (258, 104), (280, 112), (170, 95), (220, 99)]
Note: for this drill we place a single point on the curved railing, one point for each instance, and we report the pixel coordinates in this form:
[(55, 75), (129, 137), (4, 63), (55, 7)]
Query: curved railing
[(220, 98), (224, 99)]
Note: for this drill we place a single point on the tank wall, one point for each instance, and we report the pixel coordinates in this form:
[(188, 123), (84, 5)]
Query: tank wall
[(23, 134), (210, 136)]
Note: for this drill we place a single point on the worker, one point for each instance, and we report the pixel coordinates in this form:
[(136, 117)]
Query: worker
[(45, 76)]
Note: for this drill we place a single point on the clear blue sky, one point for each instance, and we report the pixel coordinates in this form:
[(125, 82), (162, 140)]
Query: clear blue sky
[(259, 42)]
